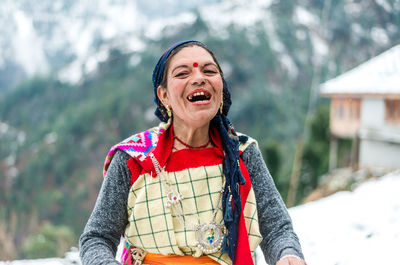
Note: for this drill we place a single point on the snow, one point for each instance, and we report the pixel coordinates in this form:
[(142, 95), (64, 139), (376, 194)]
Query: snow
[(379, 75), (379, 36), (54, 261), (240, 13), (33, 35), (29, 45), (347, 228), (155, 27), (385, 5), (305, 17), (71, 258), (351, 228), (75, 28), (353, 8), (320, 47)]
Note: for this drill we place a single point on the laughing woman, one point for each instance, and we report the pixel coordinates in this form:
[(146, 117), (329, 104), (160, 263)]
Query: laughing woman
[(192, 190)]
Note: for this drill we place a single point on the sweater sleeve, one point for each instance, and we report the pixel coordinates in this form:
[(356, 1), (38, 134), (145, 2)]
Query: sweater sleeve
[(275, 224), (101, 236)]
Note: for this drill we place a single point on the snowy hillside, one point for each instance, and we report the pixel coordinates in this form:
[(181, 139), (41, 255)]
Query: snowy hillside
[(42, 36), (347, 228), (75, 35)]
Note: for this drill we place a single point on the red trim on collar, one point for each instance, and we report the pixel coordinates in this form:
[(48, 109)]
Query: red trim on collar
[(192, 158), (185, 158)]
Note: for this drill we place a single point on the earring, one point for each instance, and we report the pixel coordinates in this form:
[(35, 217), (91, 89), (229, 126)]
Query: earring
[(220, 108), (168, 111)]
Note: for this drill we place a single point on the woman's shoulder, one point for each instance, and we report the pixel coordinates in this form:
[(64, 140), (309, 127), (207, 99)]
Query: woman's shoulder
[(138, 145), (120, 157), (142, 141), (246, 141), (143, 136)]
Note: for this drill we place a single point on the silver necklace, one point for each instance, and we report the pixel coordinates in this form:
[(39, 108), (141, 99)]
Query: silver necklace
[(209, 236)]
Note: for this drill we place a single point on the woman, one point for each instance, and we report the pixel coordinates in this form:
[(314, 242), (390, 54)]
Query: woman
[(190, 191)]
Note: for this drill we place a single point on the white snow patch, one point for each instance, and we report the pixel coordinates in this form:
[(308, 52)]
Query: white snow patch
[(353, 8), (351, 228), (53, 261), (135, 60), (379, 36), (385, 5), (72, 73), (320, 47), (155, 27), (4, 127), (51, 138), (276, 45), (305, 17), (288, 64), (357, 29), (28, 46), (239, 12)]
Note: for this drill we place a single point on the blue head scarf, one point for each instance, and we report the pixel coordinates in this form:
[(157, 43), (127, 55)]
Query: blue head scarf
[(230, 144)]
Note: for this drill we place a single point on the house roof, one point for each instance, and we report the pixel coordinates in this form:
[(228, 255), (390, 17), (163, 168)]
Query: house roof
[(379, 75)]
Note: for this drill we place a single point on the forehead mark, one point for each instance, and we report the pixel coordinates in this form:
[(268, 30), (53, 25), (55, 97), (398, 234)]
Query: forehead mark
[(195, 64)]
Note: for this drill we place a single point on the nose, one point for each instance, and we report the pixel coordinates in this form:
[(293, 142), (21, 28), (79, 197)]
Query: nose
[(198, 77)]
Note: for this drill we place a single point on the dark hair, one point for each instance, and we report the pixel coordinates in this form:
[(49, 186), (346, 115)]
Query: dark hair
[(230, 144)]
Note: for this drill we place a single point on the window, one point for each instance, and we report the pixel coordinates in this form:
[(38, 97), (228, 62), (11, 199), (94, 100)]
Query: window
[(338, 108), (392, 107), (347, 108), (355, 107)]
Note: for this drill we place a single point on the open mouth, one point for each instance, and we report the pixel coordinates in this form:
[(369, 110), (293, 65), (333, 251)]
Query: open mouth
[(199, 96)]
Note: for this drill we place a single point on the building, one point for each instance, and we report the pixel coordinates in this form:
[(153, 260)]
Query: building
[(365, 106)]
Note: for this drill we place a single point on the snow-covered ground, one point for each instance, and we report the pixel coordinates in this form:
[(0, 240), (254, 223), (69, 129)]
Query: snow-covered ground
[(71, 258), (361, 227)]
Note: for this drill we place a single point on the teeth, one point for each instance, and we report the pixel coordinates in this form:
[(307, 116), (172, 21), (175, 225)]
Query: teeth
[(198, 94), (190, 97)]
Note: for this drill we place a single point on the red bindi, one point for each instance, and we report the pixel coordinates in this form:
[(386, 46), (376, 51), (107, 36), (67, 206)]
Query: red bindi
[(195, 64)]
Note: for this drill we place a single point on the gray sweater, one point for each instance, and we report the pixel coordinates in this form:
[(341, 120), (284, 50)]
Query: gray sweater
[(101, 236)]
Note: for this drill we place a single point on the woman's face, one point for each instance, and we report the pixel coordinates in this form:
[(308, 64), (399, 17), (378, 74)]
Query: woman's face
[(194, 87)]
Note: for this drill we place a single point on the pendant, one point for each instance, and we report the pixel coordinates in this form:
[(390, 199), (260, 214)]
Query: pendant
[(137, 256), (173, 199), (210, 237)]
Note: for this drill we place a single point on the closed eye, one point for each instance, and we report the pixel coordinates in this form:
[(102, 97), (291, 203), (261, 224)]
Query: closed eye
[(181, 74)]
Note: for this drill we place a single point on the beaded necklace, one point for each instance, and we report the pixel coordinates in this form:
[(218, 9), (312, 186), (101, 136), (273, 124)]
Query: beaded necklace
[(190, 146)]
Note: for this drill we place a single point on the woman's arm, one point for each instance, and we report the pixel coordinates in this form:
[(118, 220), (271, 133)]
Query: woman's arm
[(101, 236), (275, 224)]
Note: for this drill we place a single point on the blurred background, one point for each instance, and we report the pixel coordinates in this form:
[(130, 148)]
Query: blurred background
[(75, 79)]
